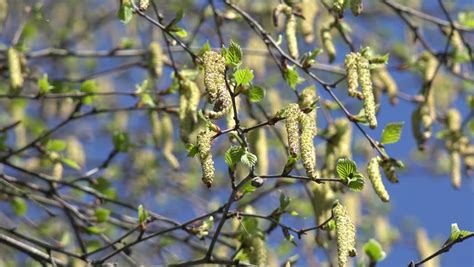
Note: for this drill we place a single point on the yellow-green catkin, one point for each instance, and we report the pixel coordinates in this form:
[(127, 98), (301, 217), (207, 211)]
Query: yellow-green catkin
[(338, 7), (14, 67), (256, 250), (363, 71), (214, 79), (309, 9), (168, 142), (307, 123), (143, 4), (356, 7), (350, 63), (3, 12), (376, 179), (58, 169), (389, 83), (155, 127), (291, 123), (454, 123), (328, 43), (345, 234), (156, 59), (188, 105), (204, 140), (290, 33), (426, 248), (75, 151), (389, 171)]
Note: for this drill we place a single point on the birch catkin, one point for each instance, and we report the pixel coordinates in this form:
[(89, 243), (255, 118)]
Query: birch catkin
[(309, 10), (376, 179), (365, 81), (204, 140), (156, 59), (327, 42), (350, 64), (214, 79), (338, 7), (14, 67), (188, 105), (168, 142), (256, 250), (290, 32), (308, 156), (292, 113), (389, 84), (345, 234), (356, 7)]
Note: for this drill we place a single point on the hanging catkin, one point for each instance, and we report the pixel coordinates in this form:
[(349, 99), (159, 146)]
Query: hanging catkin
[(156, 59), (214, 79), (388, 82), (291, 123), (350, 64), (204, 140), (256, 250), (189, 96), (376, 179), (307, 123), (168, 142), (365, 82), (327, 42), (14, 68), (345, 234), (309, 9)]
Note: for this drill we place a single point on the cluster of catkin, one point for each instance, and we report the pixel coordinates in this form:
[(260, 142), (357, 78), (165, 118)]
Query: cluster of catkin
[(290, 27), (214, 80), (298, 122), (358, 73)]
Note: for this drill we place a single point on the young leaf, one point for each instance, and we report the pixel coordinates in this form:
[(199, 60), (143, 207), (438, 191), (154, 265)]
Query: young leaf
[(243, 76), (249, 159), (356, 183), (71, 163), (142, 214), (125, 12), (374, 250), (19, 206), (95, 230), (44, 85), (233, 155), (102, 214), (391, 133), (233, 55), (346, 168), (55, 145), (121, 141), (284, 201), (292, 77), (256, 94)]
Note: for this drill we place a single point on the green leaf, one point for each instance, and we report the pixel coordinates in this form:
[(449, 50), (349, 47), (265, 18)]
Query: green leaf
[(243, 76), (192, 150), (125, 12), (466, 18), (374, 250), (380, 59), (142, 214), (102, 214), (55, 145), (346, 168), (391, 133), (284, 201), (248, 188), (256, 94), (182, 33), (456, 233), (233, 55), (249, 159), (292, 77), (105, 187), (205, 48), (121, 141), (147, 100), (95, 230), (290, 164), (233, 155), (356, 183), (71, 163), (19, 206), (44, 85)]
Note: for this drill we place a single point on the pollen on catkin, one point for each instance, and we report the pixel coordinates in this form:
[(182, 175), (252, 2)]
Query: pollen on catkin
[(453, 120), (327, 42), (214, 80), (376, 179), (204, 140), (356, 7), (365, 82), (156, 59), (188, 104), (14, 67), (350, 63), (292, 113), (256, 250), (345, 234), (308, 131)]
